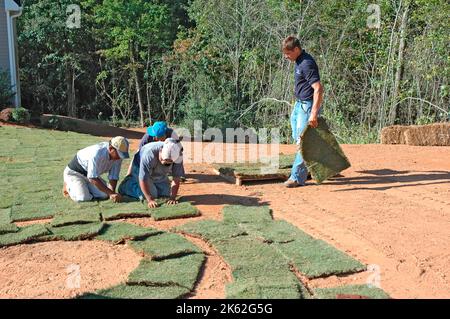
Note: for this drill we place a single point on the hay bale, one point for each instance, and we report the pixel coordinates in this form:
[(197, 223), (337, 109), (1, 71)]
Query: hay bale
[(437, 134), (394, 134)]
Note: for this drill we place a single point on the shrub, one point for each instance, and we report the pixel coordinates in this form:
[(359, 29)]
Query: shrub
[(21, 115)]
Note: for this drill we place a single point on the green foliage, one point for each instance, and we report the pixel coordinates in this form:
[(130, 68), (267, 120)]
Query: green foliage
[(6, 92), (20, 115)]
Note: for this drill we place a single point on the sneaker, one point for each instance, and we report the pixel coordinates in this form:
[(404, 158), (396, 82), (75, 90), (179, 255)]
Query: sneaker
[(291, 184)]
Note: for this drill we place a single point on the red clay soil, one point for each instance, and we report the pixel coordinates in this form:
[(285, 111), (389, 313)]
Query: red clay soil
[(390, 210)]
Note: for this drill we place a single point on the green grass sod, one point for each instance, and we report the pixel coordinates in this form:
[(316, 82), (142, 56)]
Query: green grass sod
[(33, 211), (244, 251), (8, 228), (246, 214), (278, 231), (5, 216), (138, 292), (23, 235), (316, 258), (263, 288), (322, 153), (118, 232), (211, 230), (166, 245), (112, 211), (182, 271), (75, 217), (74, 232), (6, 225), (357, 290), (181, 210)]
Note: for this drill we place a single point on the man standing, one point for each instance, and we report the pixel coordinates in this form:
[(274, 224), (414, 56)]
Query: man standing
[(82, 177), (309, 96), (149, 172)]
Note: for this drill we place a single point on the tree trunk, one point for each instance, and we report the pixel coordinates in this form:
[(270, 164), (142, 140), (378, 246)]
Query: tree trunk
[(137, 83), (399, 71), (70, 90)]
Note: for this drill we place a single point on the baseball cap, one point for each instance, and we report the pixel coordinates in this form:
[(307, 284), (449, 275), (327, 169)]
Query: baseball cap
[(173, 150), (122, 145), (157, 130)]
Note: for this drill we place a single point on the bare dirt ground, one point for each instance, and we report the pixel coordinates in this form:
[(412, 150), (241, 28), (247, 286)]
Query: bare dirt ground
[(391, 210)]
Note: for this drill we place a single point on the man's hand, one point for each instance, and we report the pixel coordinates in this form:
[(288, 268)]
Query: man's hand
[(172, 201), (313, 121), (152, 204), (115, 198)]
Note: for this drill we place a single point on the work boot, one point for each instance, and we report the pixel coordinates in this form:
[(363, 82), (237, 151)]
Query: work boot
[(291, 184)]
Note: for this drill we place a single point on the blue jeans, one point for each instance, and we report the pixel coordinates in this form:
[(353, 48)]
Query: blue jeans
[(299, 121), (130, 186)]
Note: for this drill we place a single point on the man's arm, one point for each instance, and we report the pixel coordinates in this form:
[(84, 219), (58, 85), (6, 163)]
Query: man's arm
[(113, 184), (174, 191), (317, 102), (146, 191)]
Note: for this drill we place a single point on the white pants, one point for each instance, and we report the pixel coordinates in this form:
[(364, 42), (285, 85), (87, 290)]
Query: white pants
[(79, 187)]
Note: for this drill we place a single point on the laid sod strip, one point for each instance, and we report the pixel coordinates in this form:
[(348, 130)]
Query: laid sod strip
[(278, 231), (182, 271), (23, 235), (210, 230), (316, 258), (74, 218), (263, 288), (164, 246), (246, 214), (74, 232), (112, 211), (5, 216), (8, 228), (118, 232), (322, 153), (349, 291), (181, 210), (33, 211), (245, 290), (138, 292)]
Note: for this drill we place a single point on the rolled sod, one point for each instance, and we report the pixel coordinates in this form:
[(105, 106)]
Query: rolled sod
[(181, 210), (165, 245), (118, 232), (182, 271)]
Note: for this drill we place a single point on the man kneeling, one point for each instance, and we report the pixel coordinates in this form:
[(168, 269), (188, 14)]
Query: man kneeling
[(82, 181), (149, 172)]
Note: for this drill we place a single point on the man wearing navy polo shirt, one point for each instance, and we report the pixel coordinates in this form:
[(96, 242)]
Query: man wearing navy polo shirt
[(309, 96)]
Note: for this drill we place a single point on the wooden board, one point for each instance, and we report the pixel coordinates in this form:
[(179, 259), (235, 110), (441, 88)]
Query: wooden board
[(239, 179)]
